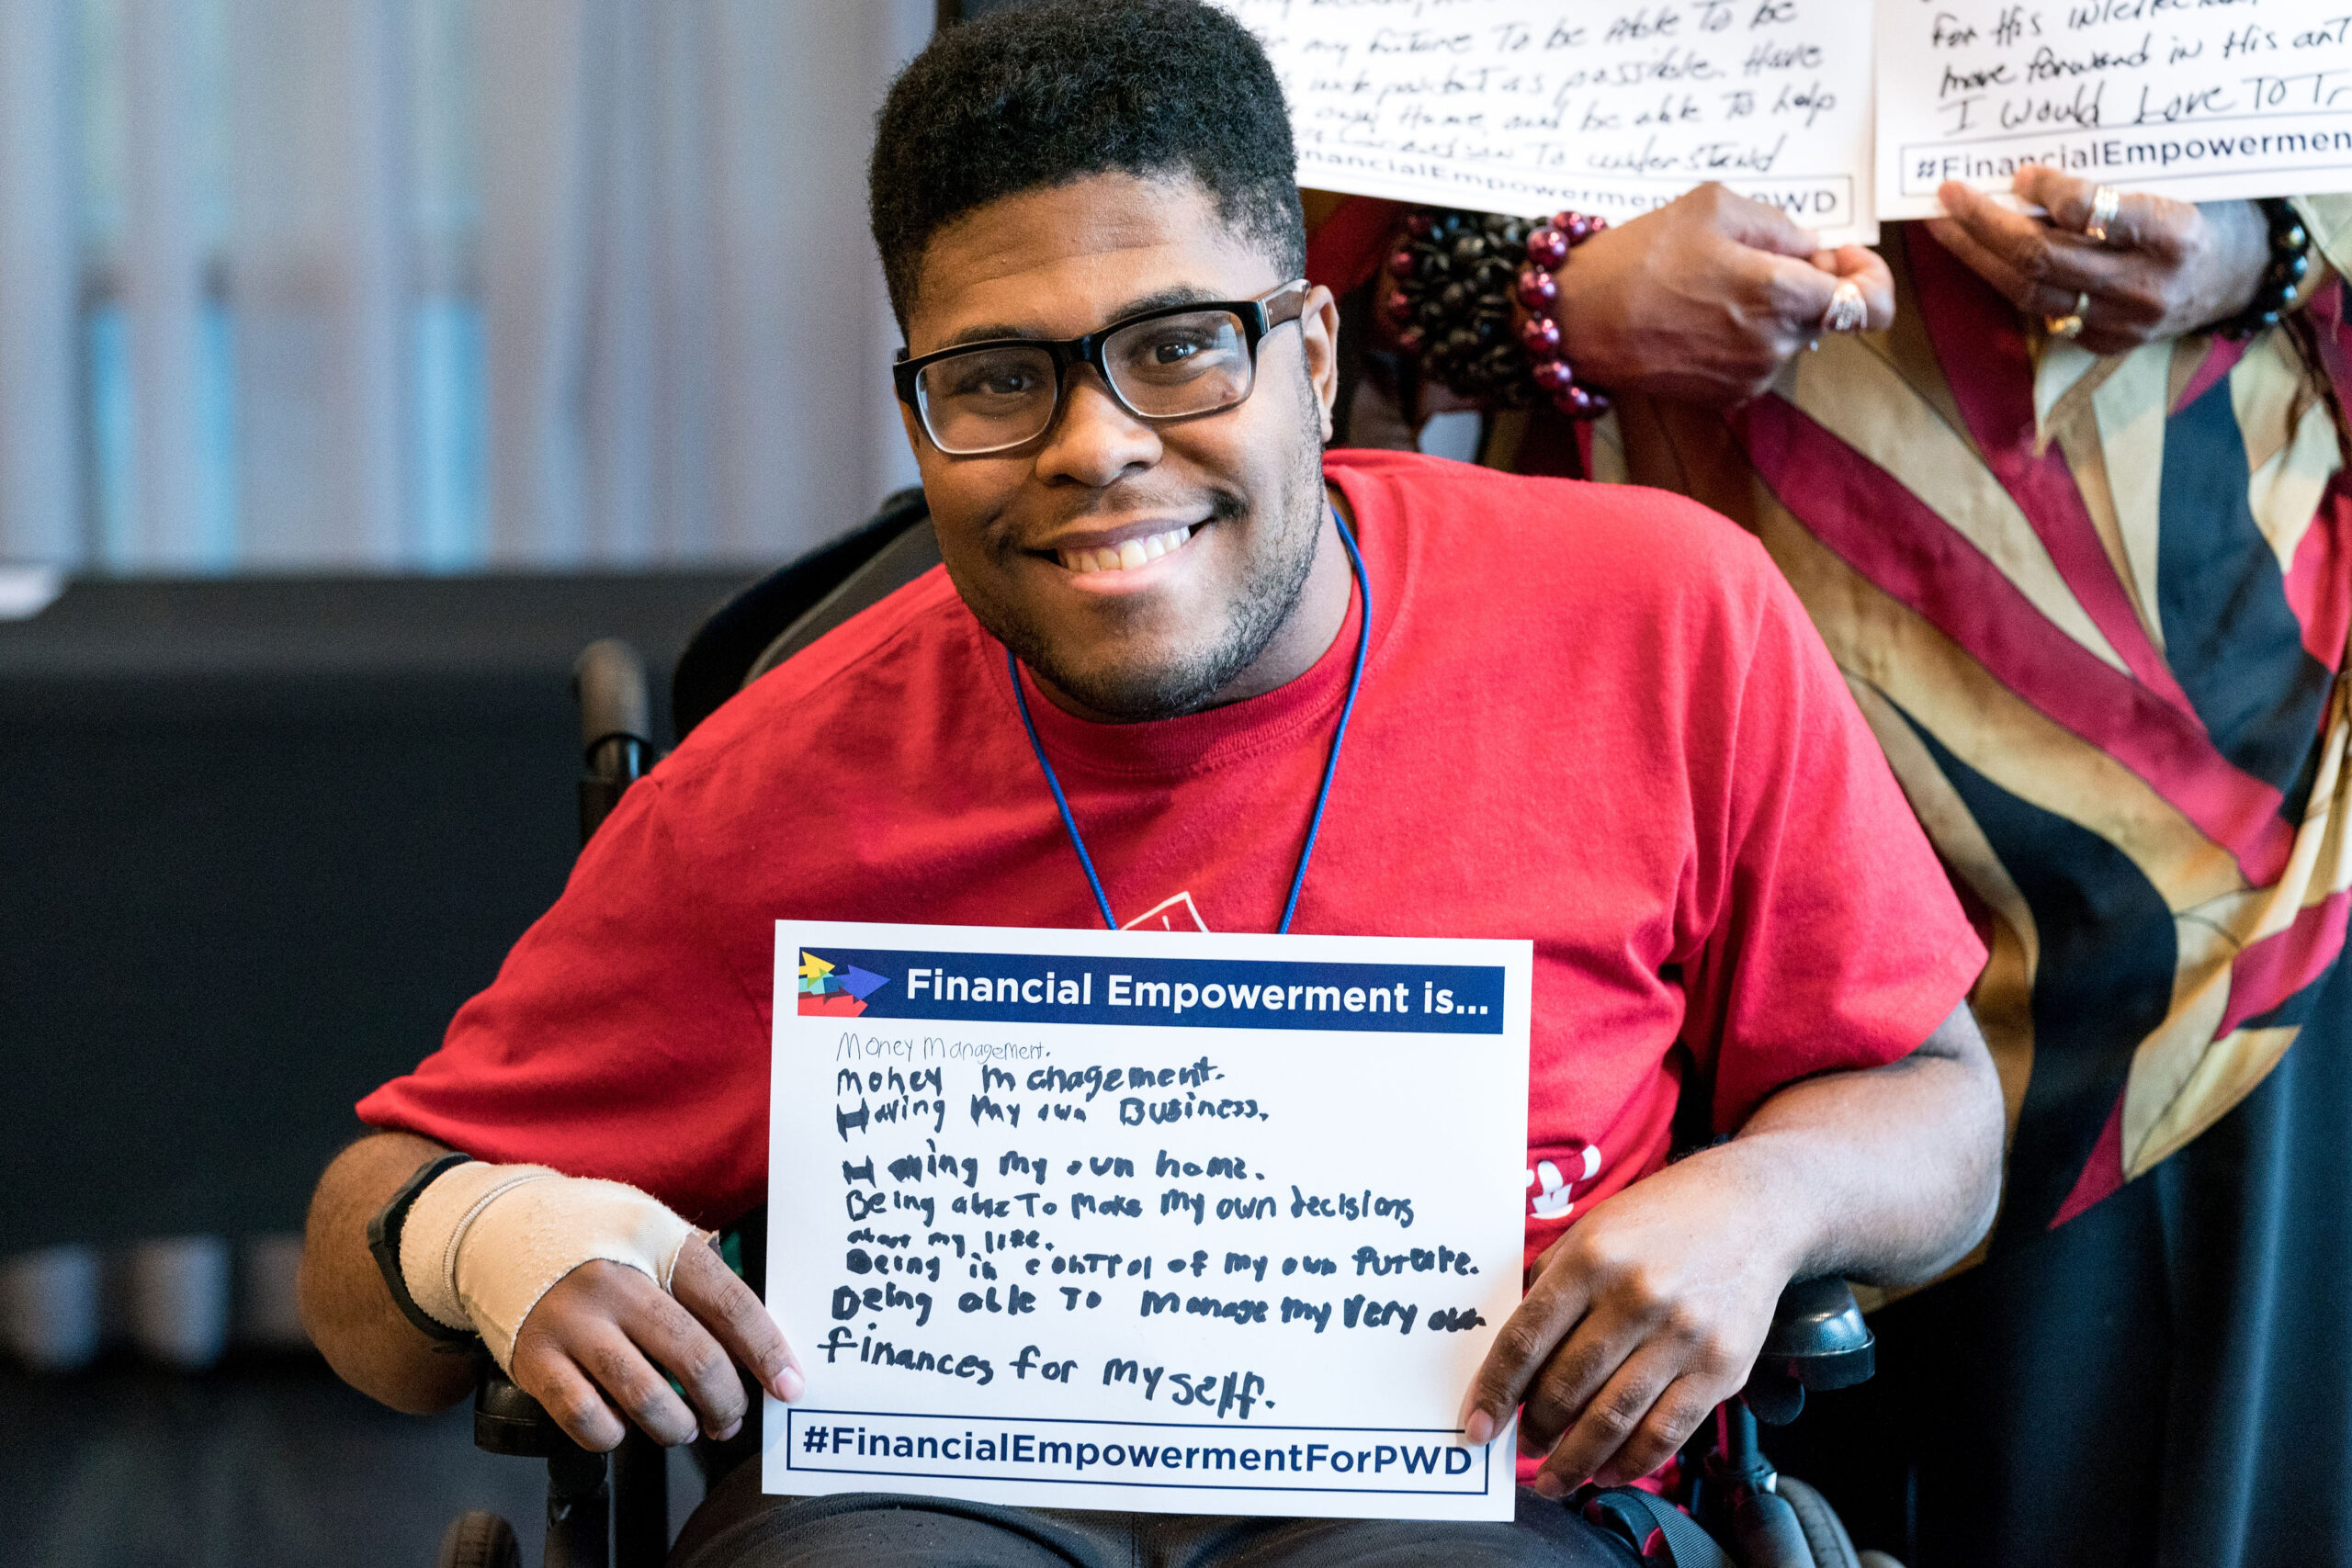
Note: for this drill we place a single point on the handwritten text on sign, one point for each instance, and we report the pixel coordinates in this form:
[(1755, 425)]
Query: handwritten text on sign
[(1611, 107), (1153, 1222), (2199, 100)]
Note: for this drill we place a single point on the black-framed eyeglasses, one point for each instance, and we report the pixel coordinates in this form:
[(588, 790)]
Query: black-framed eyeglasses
[(1176, 361)]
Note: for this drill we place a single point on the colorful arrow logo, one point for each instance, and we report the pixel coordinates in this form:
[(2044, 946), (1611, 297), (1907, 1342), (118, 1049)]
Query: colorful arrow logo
[(828, 991)]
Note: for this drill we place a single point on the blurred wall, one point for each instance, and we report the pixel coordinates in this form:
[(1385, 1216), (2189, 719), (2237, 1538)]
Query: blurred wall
[(439, 283)]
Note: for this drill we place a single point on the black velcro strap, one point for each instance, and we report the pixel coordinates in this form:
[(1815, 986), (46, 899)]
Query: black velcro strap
[(1639, 1513), (384, 1242)]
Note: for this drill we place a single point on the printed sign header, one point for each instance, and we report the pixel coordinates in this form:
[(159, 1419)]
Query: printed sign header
[(1188, 993)]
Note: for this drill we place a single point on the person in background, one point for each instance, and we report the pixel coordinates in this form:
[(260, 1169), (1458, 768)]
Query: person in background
[(2063, 492)]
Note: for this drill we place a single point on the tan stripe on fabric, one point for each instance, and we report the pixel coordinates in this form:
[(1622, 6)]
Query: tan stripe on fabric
[(2290, 443), (1987, 726), (2065, 376), (1855, 394), (1608, 451), (2129, 411), (2086, 460), (2227, 1072), (1907, 347)]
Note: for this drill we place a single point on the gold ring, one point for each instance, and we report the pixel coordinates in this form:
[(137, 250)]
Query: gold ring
[(2070, 324), (2104, 201)]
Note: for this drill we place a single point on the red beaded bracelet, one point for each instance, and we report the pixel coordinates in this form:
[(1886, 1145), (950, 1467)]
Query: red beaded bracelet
[(1539, 292)]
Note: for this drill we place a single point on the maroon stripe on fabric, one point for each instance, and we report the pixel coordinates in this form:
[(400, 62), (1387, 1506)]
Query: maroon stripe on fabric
[(2318, 589), (2267, 973), (1989, 368), (1896, 541), (2102, 1173)]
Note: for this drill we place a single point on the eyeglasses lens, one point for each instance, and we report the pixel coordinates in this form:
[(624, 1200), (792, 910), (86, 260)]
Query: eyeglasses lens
[(1171, 367), (987, 399)]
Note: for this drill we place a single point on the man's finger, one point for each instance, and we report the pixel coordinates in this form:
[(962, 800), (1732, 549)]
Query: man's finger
[(707, 1288), (1577, 1370), (620, 1369), (674, 1337), (1686, 1404), (566, 1394), (1609, 1420), (1521, 1346)]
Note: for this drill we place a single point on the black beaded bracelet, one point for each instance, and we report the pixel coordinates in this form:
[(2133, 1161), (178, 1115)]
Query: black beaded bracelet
[(1451, 305), (2290, 261), (1457, 277)]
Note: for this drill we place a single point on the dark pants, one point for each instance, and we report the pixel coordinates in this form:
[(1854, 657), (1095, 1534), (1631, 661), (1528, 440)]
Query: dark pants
[(2165, 1382), (739, 1527)]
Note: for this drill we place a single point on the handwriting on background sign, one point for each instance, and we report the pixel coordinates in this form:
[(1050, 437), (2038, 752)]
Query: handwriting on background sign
[(2197, 99), (1603, 106), (985, 1208)]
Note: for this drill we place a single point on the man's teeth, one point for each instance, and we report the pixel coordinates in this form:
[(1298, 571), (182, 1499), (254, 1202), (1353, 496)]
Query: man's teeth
[(1126, 556)]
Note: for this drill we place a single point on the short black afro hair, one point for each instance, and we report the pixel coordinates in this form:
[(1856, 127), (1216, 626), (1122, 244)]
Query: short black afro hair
[(1036, 95)]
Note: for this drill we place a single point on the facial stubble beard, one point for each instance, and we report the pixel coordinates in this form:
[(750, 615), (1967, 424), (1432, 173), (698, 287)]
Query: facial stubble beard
[(1273, 581)]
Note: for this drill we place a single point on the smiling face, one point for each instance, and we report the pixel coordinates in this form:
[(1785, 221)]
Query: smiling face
[(1140, 571)]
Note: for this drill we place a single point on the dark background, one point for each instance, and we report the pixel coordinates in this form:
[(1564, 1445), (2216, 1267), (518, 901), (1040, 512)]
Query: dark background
[(258, 839)]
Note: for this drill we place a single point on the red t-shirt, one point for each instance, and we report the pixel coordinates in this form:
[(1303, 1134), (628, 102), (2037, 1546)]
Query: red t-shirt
[(1593, 716)]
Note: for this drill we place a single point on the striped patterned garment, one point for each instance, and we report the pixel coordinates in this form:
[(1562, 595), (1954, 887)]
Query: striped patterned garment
[(2095, 609)]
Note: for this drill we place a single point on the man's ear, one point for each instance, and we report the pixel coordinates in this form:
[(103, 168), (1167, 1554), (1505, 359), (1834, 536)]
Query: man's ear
[(1319, 335), (914, 431)]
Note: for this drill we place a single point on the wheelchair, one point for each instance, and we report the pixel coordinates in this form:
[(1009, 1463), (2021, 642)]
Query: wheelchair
[(1729, 1508)]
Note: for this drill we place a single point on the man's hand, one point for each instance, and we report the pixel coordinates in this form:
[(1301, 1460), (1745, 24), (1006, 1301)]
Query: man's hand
[(591, 1343), (1703, 299), (602, 1333), (2166, 268), (1643, 1317), (1649, 1312)]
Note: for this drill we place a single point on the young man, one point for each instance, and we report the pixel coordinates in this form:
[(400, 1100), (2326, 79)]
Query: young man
[(1614, 734)]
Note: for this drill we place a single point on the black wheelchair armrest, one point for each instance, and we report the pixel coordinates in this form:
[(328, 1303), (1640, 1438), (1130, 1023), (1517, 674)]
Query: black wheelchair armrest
[(508, 1421), (586, 1528), (1818, 1340)]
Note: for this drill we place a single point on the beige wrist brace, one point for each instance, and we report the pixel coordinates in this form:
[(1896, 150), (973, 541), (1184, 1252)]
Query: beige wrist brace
[(484, 1242)]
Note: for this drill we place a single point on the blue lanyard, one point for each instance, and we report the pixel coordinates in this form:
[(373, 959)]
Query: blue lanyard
[(1322, 796)]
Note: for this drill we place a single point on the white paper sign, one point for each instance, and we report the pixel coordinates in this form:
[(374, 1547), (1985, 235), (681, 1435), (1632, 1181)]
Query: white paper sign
[(2201, 100), (1611, 107), (1153, 1222)]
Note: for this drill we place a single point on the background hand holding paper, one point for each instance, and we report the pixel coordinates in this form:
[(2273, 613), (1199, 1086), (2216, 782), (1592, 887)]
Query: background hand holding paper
[(1704, 300), (2166, 266)]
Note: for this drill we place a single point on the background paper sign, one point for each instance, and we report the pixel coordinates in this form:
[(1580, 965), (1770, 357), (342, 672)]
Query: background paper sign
[(1604, 106), (1157, 1221), (2200, 100)]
